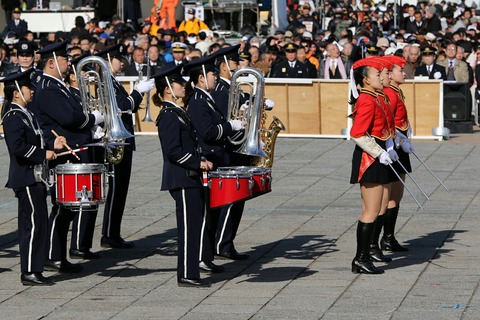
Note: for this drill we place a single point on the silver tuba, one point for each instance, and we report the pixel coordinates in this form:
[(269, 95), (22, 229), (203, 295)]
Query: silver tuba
[(105, 102), (252, 116)]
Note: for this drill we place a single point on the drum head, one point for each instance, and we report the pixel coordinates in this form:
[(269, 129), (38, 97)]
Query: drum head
[(79, 168)]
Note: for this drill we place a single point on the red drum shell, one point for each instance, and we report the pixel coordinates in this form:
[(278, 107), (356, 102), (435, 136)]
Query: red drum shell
[(262, 177), (80, 184), (227, 187)]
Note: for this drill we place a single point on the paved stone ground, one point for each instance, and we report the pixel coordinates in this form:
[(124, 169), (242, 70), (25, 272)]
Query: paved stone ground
[(301, 238)]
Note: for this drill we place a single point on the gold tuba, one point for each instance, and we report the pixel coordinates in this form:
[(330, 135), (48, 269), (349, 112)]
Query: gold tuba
[(105, 102), (269, 136), (252, 116)]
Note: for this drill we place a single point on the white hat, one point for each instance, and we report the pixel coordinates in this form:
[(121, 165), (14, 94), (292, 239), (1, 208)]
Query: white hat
[(390, 51), (430, 36), (307, 34)]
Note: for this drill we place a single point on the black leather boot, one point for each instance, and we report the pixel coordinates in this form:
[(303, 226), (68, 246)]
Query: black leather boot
[(375, 252), (362, 262), (388, 242)]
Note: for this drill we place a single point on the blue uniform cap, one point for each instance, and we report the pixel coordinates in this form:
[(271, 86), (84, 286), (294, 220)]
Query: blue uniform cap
[(25, 48), (60, 49), (231, 53), (22, 78), (172, 74), (195, 65)]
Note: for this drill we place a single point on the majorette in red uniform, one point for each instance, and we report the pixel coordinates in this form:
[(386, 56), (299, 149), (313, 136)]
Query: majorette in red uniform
[(404, 147), (371, 157)]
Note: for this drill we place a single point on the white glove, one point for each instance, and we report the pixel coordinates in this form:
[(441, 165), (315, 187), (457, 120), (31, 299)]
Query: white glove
[(385, 158), (98, 116), (269, 104), (97, 132), (2, 99), (236, 124), (244, 107), (145, 85), (407, 146)]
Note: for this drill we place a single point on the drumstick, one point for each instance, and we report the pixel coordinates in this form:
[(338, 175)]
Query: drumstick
[(68, 152), (66, 145)]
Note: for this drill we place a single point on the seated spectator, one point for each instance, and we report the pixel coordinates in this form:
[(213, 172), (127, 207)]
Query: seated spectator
[(78, 4), (178, 51), (290, 67), (79, 29), (302, 58), (246, 59), (457, 70), (138, 63), (156, 62), (429, 68), (201, 43), (334, 67), (412, 61)]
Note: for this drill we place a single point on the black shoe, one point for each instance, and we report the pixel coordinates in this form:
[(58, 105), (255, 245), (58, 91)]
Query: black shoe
[(87, 255), (234, 255), (210, 267), (200, 283), (377, 255), (366, 266), (35, 279), (391, 244), (62, 266), (118, 243)]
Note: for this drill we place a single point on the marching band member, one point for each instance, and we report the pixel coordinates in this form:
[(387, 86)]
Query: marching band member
[(404, 148), (118, 183), (58, 110), (371, 134), (213, 129), (182, 177), (26, 148), (230, 216)]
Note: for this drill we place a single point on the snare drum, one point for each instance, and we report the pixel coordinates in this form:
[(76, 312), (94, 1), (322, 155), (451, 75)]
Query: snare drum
[(80, 185), (227, 187), (262, 178)]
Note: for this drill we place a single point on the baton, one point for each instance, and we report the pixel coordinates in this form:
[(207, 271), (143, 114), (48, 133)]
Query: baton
[(70, 152), (433, 174), (415, 182), (398, 176)]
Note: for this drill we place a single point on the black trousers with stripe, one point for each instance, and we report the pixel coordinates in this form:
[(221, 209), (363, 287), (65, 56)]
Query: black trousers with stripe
[(190, 210), (32, 226), (117, 196), (228, 223)]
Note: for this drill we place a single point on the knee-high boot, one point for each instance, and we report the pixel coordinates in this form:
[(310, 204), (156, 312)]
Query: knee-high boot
[(362, 262), (375, 252), (388, 241)]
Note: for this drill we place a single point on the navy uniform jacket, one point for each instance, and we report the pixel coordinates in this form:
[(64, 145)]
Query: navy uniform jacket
[(20, 30), (180, 148), (422, 71), (172, 64), (127, 102), (59, 110), (211, 125), (24, 147), (283, 70)]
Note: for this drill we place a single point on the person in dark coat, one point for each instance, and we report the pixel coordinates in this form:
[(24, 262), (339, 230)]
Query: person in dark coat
[(432, 22), (9, 6), (429, 68), (119, 183), (16, 25), (289, 68), (213, 129), (27, 152), (60, 112), (183, 164), (178, 52)]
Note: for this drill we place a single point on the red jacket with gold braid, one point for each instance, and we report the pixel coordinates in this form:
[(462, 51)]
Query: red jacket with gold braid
[(369, 117), (386, 105), (397, 101)]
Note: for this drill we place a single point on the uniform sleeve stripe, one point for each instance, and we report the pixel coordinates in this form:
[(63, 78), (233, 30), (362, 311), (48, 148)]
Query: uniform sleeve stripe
[(236, 135), (86, 121), (185, 158), (220, 131), (132, 102), (30, 152)]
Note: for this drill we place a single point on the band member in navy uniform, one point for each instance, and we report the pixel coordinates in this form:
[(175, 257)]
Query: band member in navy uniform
[(371, 134), (27, 150), (213, 130), (60, 112), (229, 220), (118, 183), (183, 164)]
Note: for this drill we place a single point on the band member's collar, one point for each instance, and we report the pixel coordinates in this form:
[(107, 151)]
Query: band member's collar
[(397, 89), (368, 91)]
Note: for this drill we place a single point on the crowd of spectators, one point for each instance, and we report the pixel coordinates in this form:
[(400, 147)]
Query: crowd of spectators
[(317, 43)]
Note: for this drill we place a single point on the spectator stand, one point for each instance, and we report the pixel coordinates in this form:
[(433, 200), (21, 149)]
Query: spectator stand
[(40, 21)]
